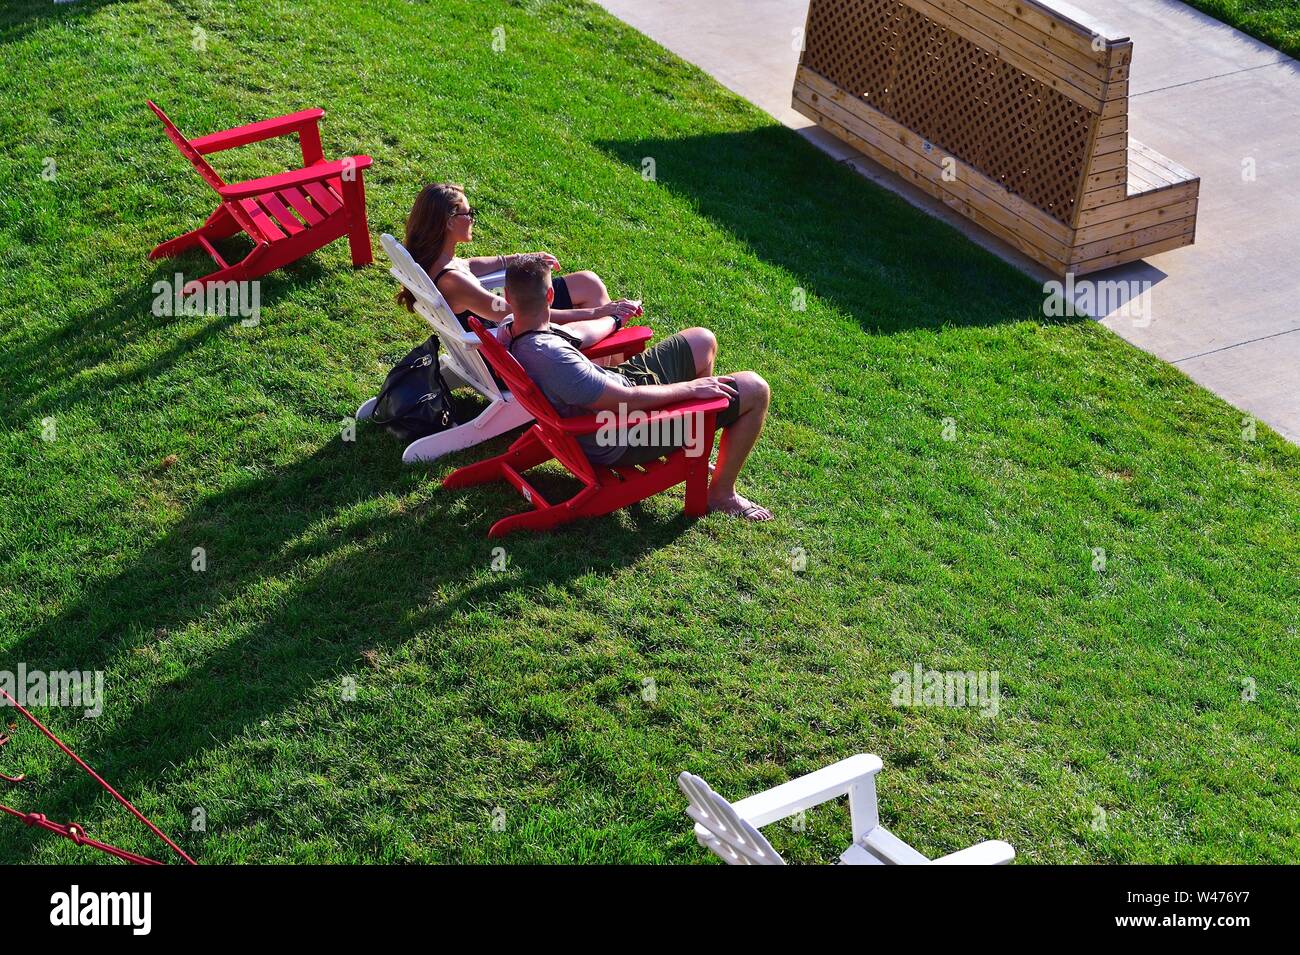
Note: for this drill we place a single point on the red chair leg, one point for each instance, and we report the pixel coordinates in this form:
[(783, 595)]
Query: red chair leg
[(697, 487), (548, 518), (527, 451), (220, 225), (354, 198), (697, 471)]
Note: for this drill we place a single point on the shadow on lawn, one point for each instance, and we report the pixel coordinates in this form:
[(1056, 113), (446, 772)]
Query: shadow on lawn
[(357, 584), (20, 17), (840, 235), (45, 374)]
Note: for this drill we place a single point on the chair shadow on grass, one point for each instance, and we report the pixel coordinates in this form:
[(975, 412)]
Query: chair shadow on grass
[(19, 17), (358, 583), (44, 375), (837, 233)]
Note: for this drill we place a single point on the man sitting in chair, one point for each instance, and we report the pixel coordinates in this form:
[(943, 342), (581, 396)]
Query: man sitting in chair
[(677, 369)]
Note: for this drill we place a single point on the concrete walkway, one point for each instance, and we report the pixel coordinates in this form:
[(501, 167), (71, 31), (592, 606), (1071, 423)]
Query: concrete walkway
[(1226, 310)]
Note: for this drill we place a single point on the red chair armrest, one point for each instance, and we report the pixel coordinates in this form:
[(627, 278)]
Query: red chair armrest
[(256, 132), (587, 424), (299, 177), (631, 339)]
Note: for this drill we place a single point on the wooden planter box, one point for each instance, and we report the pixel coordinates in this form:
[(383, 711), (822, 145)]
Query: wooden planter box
[(1013, 113)]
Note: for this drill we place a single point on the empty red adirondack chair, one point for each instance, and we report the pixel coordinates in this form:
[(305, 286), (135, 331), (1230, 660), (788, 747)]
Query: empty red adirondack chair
[(328, 198), (605, 489)]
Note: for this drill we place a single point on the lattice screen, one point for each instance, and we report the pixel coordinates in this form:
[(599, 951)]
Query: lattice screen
[(964, 100)]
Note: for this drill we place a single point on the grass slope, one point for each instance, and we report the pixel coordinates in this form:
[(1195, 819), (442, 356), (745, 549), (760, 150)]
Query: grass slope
[(523, 690)]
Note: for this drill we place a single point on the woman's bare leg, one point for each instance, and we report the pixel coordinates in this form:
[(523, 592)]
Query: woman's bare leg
[(586, 289)]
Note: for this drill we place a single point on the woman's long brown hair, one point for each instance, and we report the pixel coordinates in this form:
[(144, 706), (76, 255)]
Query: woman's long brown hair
[(426, 227)]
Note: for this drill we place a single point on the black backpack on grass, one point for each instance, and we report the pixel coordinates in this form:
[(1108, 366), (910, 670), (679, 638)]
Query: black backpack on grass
[(415, 400)]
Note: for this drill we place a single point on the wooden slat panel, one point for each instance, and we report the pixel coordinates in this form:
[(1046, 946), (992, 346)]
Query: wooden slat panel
[(1106, 179), (1110, 144), (1170, 169), (1113, 126), (1115, 160), (1136, 204), (1102, 197), (1129, 223), (1132, 255), (1061, 60), (1115, 107), (1140, 181), (1132, 240)]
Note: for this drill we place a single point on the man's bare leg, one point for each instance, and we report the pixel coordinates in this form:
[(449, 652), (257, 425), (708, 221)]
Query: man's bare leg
[(704, 348), (737, 441)]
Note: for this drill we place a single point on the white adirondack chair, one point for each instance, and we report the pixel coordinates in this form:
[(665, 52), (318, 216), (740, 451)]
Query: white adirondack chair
[(731, 832), (462, 365)]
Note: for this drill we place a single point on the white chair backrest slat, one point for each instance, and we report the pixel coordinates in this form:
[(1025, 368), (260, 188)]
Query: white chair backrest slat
[(726, 834), (464, 358)]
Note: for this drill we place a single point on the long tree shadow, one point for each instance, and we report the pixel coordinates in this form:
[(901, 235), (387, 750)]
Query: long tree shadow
[(844, 238), (357, 583)]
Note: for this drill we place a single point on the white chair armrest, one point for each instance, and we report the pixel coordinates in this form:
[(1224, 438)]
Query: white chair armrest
[(807, 791), (470, 339), (493, 279), (992, 852)]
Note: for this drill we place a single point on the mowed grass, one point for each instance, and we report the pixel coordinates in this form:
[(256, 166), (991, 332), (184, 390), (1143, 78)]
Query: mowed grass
[(523, 696), (1276, 22)]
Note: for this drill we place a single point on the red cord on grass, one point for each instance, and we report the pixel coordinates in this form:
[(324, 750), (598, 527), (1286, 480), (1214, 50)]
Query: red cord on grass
[(75, 832)]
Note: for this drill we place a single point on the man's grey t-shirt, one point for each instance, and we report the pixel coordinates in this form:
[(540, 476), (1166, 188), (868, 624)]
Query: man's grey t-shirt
[(570, 381)]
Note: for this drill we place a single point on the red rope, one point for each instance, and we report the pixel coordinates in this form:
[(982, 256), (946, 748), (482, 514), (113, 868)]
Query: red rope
[(76, 834), (72, 830)]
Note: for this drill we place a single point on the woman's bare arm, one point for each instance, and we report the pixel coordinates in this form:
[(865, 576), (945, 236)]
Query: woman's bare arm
[(466, 294)]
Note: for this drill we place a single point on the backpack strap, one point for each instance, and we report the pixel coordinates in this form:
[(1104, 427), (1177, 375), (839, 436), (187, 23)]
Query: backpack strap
[(573, 340)]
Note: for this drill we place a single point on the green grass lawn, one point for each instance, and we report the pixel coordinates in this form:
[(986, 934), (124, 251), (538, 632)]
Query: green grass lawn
[(1276, 22), (522, 690)]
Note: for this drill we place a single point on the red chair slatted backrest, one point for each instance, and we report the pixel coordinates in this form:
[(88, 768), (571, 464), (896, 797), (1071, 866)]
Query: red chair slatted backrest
[(189, 152), (561, 443)]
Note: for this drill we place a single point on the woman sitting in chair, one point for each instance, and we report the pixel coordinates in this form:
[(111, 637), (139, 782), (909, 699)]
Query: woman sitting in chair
[(442, 219)]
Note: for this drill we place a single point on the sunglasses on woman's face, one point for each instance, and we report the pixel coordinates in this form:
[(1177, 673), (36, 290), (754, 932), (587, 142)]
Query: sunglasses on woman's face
[(471, 213)]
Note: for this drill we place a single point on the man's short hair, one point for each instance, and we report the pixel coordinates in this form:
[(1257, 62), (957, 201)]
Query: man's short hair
[(527, 279)]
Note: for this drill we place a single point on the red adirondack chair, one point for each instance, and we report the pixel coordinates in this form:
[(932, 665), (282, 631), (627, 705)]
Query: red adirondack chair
[(605, 489), (327, 199)]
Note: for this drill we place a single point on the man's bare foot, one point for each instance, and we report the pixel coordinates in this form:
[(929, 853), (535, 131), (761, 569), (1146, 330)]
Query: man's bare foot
[(737, 506)]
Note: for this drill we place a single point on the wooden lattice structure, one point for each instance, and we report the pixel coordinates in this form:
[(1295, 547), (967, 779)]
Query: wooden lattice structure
[(1013, 113)]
